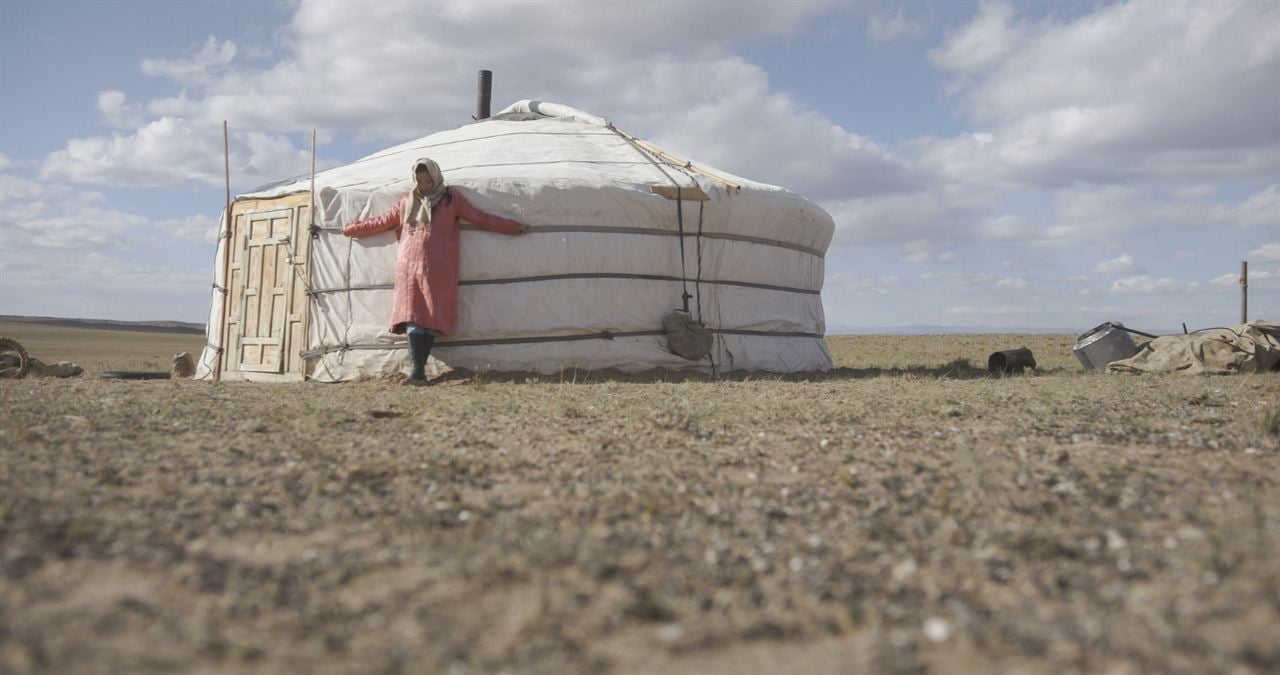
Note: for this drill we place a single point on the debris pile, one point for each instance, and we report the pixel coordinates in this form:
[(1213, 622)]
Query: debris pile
[(1252, 347), (16, 363)]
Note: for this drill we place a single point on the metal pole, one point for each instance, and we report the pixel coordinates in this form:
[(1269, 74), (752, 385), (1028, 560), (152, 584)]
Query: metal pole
[(226, 254), (484, 94), (1244, 291)]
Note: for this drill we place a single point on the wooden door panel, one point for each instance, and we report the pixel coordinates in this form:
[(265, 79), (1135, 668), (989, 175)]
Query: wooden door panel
[(265, 313), (268, 282)]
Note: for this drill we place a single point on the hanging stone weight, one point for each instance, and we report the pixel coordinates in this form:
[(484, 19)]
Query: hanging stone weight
[(687, 338)]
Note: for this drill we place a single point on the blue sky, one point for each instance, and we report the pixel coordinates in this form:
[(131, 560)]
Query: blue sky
[(989, 164)]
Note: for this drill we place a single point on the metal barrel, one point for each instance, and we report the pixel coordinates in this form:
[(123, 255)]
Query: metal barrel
[(1104, 344), (1011, 361)]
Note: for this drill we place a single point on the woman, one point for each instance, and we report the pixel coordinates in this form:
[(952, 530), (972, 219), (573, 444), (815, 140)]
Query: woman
[(426, 225)]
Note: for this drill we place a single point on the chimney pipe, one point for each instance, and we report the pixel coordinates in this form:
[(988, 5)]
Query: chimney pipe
[(484, 94)]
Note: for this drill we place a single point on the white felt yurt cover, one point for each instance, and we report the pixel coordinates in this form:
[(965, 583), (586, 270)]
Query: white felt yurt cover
[(588, 287)]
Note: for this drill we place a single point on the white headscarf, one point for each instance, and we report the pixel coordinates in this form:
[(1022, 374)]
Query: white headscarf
[(417, 209)]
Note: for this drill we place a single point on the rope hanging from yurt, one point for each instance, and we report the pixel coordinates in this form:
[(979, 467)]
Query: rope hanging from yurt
[(686, 337), (697, 288), (684, 272)]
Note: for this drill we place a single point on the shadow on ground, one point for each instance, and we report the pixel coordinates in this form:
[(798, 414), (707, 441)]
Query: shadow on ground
[(959, 369)]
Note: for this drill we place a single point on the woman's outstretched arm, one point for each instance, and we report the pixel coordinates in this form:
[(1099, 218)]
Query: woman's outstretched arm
[(382, 223), (487, 221)]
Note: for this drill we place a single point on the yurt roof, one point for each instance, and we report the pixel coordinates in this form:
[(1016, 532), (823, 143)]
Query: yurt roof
[(529, 142)]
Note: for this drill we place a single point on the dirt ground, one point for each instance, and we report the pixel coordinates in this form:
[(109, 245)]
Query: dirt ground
[(905, 513)]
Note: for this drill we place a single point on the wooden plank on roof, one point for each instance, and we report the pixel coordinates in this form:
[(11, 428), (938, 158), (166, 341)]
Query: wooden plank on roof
[(691, 194)]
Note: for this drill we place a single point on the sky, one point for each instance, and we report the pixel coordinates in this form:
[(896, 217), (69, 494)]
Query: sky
[(988, 165)]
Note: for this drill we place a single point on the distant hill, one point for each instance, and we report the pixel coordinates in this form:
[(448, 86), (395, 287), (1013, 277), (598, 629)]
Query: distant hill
[(107, 324)]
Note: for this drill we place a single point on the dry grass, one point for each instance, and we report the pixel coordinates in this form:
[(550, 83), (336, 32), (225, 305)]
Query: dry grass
[(100, 349), (905, 513)]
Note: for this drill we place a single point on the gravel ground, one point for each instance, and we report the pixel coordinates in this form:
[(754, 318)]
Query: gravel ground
[(903, 514)]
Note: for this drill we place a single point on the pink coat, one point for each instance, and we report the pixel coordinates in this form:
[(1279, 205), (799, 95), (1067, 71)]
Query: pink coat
[(426, 291)]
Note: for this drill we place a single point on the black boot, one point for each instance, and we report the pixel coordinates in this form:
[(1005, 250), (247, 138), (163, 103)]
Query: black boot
[(419, 350)]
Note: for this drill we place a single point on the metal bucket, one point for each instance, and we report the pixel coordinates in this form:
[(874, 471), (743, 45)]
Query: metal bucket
[(1104, 344)]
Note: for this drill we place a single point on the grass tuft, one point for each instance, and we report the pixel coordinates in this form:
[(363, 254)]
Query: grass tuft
[(1271, 422)]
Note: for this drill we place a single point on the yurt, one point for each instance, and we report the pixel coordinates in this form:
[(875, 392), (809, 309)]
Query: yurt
[(636, 259)]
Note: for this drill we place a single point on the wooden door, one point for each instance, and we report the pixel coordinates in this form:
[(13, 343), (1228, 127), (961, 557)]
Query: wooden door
[(267, 285), (265, 318)]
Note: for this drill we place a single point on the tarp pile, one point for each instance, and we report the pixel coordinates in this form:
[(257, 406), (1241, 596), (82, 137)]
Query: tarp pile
[(1253, 347)]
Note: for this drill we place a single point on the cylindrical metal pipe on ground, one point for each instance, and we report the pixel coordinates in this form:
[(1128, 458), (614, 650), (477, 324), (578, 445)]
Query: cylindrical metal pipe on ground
[(1011, 361)]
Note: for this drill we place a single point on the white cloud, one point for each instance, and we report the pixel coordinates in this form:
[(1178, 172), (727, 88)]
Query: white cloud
[(1007, 228), (936, 211), (1119, 265), (7, 163), (1262, 209), (1028, 262), (978, 279), (1143, 283), (1105, 214), (596, 57), (199, 230), (38, 215), (68, 270), (201, 69), (923, 251), (116, 111), (1232, 279), (68, 252), (173, 152), (666, 75), (801, 149), (1266, 253), (1226, 280), (15, 188), (683, 88), (1130, 91), (43, 216), (983, 42), (1012, 282), (94, 284), (845, 283), (886, 26)]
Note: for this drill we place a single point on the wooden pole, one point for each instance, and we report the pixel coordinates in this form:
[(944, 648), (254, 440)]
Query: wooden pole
[(312, 176), (1244, 291), (313, 180), (304, 248), (226, 254)]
